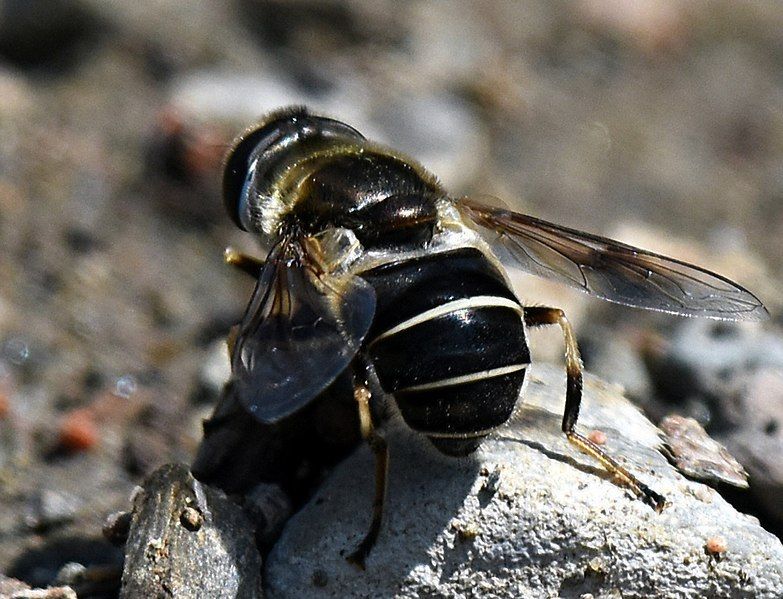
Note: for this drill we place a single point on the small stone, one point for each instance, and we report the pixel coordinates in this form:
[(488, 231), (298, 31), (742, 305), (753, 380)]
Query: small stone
[(16, 351), (698, 456), (716, 546), (216, 368), (78, 431), (191, 519), (125, 386), (52, 508), (70, 574), (597, 437), (320, 578), (164, 558), (116, 527)]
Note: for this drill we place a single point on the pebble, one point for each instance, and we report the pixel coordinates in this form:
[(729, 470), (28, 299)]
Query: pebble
[(16, 351), (78, 431), (716, 546), (191, 519), (70, 573), (216, 367), (729, 377), (597, 437), (52, 508), (125, 386), (698, 456)]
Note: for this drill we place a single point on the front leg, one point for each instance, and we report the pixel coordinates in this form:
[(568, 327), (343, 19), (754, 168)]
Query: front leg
[(247, 264), (540, 316)]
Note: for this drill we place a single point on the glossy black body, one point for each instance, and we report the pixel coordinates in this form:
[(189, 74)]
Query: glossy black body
[(380, 198), (456, 343), (330, 176)]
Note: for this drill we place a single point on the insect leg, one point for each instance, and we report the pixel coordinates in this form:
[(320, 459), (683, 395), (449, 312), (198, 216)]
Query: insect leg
[(231, 340), (247, 264), (379, 448), (540, 316)]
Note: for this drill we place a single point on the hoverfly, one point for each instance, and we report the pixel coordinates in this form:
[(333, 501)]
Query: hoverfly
[(373, 269)]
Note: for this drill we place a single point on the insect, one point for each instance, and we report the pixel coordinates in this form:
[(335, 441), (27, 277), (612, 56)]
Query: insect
[(372, 268)]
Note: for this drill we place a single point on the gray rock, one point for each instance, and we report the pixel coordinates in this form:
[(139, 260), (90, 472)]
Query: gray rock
[(706, 361), (188, 540), (527, 516), (698, 456), (52, 508), (268, 507), (730, 376), (762, 456), (10, 586), (216, 369)]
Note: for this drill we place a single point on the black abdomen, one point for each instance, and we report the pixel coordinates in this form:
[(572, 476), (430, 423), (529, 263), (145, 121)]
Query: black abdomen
[(449, 343)]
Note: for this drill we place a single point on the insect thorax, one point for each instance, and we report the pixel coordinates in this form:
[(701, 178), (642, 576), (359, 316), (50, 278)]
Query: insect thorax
[(384, 198)]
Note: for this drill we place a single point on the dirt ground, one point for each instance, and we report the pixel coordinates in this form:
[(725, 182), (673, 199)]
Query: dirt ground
[(660, 121)]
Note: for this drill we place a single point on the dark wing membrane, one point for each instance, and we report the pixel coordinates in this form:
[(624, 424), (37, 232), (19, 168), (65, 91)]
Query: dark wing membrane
[(299, 332), (612, 270)]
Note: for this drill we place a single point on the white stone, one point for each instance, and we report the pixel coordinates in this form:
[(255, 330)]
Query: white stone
[(526, 516)]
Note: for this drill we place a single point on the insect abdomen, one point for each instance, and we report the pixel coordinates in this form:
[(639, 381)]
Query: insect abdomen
[(449, 343)]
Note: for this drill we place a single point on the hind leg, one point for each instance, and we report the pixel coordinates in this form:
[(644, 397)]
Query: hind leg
[(540, 316)]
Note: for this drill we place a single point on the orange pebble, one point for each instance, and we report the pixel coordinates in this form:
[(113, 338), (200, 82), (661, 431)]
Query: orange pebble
[(78, 431), (597, 437), (5, 405), (716, 546)]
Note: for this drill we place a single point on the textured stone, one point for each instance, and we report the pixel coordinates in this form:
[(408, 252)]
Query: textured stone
[(526, 516), (188, 540), (698, 456)]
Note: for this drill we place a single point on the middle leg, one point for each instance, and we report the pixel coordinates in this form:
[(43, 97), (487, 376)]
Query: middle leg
[(380, 450)]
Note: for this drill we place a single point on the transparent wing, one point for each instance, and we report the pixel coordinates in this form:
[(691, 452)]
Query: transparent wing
[(299, 332), (612, 270)]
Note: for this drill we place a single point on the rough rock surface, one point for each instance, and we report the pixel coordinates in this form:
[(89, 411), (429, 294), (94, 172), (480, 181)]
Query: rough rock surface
[(527, 516), (188, 540), (729, 376)]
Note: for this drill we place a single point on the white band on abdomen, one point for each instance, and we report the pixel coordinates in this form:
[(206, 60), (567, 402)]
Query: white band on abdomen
[(466, 378), (478, 301)]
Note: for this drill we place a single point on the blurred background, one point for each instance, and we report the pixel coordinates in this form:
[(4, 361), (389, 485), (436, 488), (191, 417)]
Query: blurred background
[(658, 122)]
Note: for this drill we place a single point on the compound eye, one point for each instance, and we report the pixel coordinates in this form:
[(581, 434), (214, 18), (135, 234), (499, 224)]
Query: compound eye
[(243, 208), (237, 176)]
